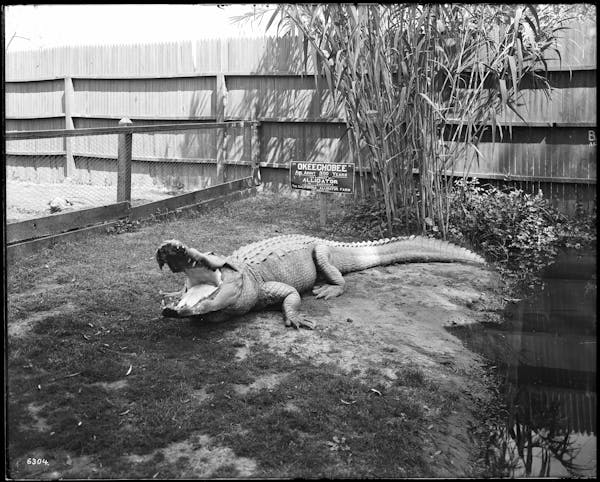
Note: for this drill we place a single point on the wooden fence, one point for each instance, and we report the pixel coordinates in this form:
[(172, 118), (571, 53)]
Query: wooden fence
[(265, 79), (26, 237)]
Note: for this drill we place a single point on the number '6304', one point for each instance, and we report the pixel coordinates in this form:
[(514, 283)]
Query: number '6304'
[(31, 461)]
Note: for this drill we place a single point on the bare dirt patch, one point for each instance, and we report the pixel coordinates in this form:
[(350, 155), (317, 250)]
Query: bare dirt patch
[(116, 385), (265, 382), (199, 458), (21, 327)]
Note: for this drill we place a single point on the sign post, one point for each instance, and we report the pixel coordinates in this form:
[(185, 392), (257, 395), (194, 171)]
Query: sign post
[(324, 178)]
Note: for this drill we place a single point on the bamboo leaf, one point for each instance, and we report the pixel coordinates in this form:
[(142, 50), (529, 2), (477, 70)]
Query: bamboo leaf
[(431, 103), (327, 69), (559, 56), (304, 51), (517, 20), (532, 26), (511, 107), (273, 17), (492, 116), (354, 14), (533, 11), (503, 92), (519, 50), (513, 68)]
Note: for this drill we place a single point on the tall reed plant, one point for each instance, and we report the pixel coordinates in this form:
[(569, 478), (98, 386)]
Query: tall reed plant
[(420, 85)]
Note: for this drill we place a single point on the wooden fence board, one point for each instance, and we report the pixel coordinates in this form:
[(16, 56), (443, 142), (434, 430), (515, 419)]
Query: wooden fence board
[(34, 98), (18, 251), (58, 223), (192, 198), (137, 129), (184, 97)]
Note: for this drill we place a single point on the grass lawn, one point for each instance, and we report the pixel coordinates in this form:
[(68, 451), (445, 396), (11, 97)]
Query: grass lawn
[(101, 386)]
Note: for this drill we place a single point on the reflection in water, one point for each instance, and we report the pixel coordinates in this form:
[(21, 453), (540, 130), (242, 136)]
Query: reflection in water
[(548, 346)]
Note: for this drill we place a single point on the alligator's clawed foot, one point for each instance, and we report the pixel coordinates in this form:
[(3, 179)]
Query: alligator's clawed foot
[(298, 321), (327, 291), (171, 294)]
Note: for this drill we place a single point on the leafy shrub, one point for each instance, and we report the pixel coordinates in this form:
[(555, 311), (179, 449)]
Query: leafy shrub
[(366, 218), (521, 232)]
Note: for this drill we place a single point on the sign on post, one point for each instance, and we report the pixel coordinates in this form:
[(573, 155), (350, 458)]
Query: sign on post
[(322, 177)]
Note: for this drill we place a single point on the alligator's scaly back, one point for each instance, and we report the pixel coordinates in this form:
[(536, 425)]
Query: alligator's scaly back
[(414, 249)]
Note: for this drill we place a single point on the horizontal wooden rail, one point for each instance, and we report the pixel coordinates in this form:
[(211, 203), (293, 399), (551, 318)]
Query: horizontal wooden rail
[(202, 118), (9, 116), (180, 75), (233, 73), (58, 223), (190, 199), (92, 131), (232, 121)]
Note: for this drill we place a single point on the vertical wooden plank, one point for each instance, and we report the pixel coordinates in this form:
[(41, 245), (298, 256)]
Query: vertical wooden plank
[(69, 97), (247, 143), (124, 164)]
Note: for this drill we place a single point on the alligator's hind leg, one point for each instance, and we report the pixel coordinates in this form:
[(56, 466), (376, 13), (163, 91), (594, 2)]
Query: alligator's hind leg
[(331, 273), (273, 292)]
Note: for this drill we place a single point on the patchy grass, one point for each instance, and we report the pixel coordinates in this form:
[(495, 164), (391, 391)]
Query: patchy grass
[(111, 389)]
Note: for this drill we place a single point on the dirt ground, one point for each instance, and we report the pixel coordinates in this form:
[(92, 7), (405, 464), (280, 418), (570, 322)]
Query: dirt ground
[(27, 200), (379, 388)]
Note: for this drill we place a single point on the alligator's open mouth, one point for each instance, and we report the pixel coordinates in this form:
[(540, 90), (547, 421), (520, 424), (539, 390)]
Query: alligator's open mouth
[(202, 283), (205, 290)]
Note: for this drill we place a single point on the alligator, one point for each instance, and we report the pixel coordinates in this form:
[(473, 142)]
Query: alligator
[(277, 270)]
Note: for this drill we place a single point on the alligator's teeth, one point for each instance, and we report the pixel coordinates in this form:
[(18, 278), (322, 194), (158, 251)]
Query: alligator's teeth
[(194, 263)]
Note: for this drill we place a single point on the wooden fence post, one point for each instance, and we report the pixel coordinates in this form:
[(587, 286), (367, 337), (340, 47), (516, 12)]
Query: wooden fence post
[(220, 114), (255, 152), (247, 134), (69, 99), (250, 150), (124, 163), (323, 209)]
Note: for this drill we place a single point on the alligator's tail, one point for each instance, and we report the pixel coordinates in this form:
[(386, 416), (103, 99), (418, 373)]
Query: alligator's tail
[(349, 257)]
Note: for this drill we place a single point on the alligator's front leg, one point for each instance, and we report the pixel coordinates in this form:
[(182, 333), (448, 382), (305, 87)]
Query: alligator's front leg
[(274, 292), (331, 274)]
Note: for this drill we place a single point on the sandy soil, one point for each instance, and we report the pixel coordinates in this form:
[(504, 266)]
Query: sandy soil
[(392, 316)]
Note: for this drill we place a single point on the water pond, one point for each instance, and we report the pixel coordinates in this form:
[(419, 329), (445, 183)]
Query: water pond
[(545, 352)]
